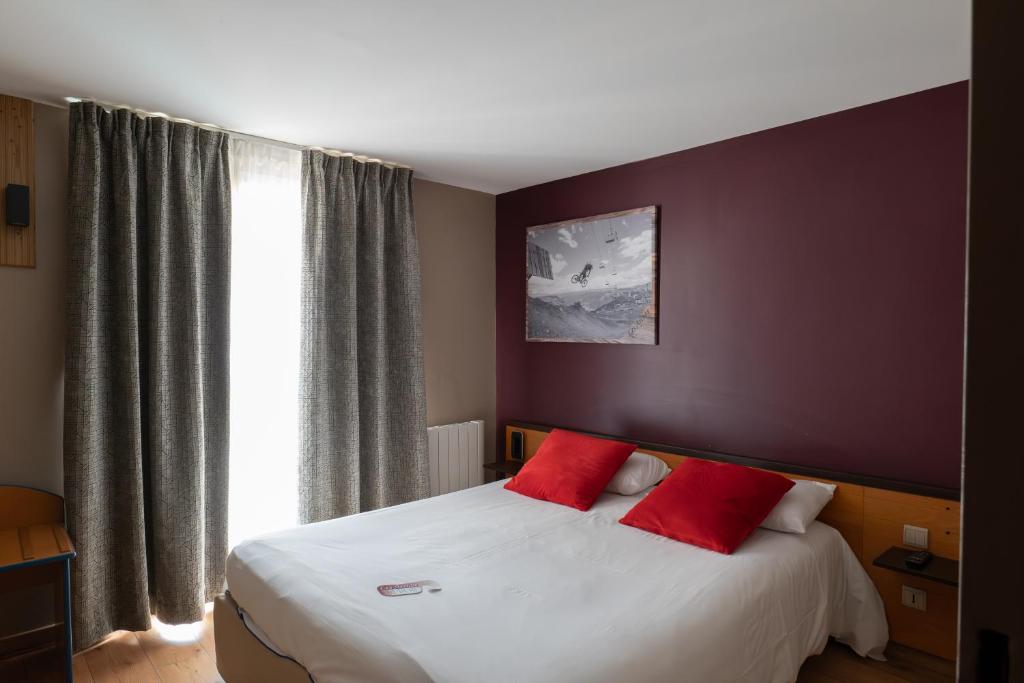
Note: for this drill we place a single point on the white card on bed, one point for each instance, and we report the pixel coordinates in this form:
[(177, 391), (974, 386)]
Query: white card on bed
[(391, 590)]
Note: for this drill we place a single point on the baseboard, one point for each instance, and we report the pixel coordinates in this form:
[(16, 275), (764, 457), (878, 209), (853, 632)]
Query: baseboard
[(30, 642)]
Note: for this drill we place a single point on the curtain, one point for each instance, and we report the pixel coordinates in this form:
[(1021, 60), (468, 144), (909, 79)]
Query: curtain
[(266, 267), (146, 384), (362, 398)]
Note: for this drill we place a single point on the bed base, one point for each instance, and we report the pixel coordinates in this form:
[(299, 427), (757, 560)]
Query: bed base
[(242, 657)]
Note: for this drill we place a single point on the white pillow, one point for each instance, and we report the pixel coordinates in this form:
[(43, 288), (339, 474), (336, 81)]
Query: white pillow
[(640, 471), (799, 507)]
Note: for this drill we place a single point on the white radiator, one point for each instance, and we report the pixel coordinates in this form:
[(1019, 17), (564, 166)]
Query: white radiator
[(456, 456)]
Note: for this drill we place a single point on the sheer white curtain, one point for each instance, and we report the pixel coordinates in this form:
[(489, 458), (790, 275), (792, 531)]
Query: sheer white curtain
[(266, 242)]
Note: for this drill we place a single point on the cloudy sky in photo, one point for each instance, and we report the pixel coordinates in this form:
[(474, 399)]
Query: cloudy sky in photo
[(626, 260)]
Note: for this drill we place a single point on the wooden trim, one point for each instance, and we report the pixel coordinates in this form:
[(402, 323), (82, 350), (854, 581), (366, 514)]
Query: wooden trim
[(60, 535), (26, 544), (759, 463), (871, 521), (17, 166)]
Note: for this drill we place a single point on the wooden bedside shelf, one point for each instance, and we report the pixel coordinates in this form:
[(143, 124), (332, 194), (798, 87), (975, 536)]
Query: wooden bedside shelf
[(504, 467), (940, 569)]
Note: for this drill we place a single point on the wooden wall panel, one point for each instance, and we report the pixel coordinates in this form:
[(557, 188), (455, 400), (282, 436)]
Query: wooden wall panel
[(17, 165), (886, 512), (932, 631)]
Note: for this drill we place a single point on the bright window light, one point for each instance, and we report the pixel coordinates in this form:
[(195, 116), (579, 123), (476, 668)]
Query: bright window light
[(266, 242), (179, 633)]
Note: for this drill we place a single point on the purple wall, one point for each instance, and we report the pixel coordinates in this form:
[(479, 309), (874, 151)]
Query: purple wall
[(811, 296)]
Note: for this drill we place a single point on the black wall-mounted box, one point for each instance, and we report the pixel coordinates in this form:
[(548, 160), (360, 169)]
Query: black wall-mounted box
[(16, 200), (517, 446)]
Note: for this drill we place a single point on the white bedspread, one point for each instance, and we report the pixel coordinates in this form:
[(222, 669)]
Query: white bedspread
[(534, 592)]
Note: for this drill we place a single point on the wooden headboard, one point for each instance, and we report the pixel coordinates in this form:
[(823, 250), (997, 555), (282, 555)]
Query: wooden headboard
[(870, 513)]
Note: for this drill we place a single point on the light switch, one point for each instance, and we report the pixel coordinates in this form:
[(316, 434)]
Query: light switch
[(915, 598), (915, 536)]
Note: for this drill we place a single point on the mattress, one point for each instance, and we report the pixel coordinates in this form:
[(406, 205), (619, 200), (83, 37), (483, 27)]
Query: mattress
[(538, 592)]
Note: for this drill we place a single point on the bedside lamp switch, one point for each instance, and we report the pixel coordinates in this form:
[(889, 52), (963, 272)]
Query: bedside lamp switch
[(915, 598), (915, 536)]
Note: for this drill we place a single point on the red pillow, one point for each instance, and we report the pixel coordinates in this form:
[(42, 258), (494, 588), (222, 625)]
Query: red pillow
[(713, 505), (570, 469)]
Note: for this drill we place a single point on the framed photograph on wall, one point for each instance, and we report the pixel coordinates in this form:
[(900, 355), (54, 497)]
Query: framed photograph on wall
[(594, 279)]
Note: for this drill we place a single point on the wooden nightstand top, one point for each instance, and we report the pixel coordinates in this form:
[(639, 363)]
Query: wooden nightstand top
[(504, 466), (33, 545), (940, 569)]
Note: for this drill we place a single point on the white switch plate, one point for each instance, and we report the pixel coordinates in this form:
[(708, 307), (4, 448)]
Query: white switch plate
[(915, 598), (915, 536)]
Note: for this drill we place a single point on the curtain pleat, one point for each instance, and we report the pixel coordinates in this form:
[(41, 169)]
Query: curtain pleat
[(146, 384), (362, 395)]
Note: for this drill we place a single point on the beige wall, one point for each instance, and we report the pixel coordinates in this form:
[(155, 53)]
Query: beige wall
[(456, 235), (32, 326)]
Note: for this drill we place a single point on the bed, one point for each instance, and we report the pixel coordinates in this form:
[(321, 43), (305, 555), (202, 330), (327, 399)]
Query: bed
[(538, 592)]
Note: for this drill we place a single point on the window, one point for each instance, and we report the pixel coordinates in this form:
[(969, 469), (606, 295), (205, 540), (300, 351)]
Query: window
[(266, 243)]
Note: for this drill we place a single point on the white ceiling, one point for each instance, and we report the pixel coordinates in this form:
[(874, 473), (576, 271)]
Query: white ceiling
[(482, 94)]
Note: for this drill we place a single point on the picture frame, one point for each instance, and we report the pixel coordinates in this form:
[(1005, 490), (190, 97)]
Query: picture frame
[(594, 279)]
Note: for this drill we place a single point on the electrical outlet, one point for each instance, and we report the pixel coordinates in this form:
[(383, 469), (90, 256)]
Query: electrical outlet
[(915, 598), (915, 536)]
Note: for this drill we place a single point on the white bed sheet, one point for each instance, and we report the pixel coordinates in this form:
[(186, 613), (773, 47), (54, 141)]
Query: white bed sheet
[(537, 592)]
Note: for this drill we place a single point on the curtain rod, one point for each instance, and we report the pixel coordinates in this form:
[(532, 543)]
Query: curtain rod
[(239, 134)]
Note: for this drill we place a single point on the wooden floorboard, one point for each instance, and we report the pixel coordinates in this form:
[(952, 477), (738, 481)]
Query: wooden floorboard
[(149, 657), (120, 659), (903, 665)]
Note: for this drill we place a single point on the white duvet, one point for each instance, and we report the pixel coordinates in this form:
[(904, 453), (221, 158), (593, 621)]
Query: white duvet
[(534, 592)]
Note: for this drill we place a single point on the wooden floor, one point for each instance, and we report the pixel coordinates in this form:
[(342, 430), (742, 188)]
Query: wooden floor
[(840, 664), (126, 657), (148, 657)]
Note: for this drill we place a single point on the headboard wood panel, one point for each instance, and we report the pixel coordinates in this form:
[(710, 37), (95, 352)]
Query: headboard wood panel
[(871, 519)]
